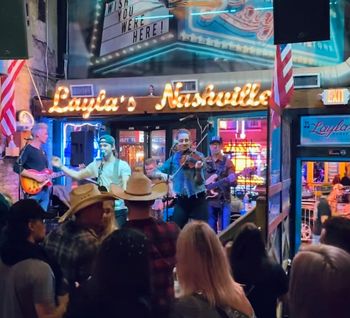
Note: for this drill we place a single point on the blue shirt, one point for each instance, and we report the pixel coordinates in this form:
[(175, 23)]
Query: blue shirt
[(184, 179)]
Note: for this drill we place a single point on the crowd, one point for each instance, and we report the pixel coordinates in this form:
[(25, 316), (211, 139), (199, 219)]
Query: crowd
[(107, 259), (88, 268)]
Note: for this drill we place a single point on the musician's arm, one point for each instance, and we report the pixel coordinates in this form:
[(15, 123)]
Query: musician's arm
[(35, 176), (199, 171), (78, 175), (231, 170)]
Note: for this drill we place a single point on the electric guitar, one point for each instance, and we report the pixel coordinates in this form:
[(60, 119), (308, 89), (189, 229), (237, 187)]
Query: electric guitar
[(211, 183), (31, 186)]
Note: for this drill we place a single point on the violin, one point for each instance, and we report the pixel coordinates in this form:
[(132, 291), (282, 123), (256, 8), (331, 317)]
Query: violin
[(189, 160)]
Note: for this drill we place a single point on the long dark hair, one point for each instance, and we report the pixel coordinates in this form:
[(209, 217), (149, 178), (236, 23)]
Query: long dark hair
[(248, 252), (122, 266)]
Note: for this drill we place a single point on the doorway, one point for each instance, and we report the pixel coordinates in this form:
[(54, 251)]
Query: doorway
[(316, 180)]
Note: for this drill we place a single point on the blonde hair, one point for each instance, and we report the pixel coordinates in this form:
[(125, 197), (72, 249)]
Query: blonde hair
[(202, 266), (109, 221)]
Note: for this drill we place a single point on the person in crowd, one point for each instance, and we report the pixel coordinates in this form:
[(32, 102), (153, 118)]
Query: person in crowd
[(186, 167), (323, 213), (263, 279), (222, 173), (139, 197), (319, 284), (337, 191), (162, 208), (336, 179), (107, 170), (74, 243), (33, 160), (109, 223), (120, 284), (206, 285), (346, 179), (31, 284), (336, 232), (5, 204)]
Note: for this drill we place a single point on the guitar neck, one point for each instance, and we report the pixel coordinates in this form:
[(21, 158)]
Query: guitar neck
[(216, 184), (56, 175)]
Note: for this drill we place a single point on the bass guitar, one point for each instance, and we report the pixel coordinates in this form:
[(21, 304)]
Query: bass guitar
[(211, 183), (31, 186)]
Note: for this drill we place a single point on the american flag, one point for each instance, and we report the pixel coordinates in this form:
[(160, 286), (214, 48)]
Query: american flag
[(282, 84), (7, 91)]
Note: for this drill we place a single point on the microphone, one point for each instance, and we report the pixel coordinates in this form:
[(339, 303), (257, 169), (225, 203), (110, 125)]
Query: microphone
[(186, 117), (102, 154), (29, 138)]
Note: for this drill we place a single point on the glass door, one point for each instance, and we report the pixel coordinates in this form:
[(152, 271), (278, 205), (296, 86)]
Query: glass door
[(132, 147)]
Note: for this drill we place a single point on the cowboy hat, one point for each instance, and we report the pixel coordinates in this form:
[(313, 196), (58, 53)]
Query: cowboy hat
[(140, 188), (84, 196)]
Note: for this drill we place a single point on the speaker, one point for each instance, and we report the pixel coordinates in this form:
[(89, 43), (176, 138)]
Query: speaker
[(301, 21), (82, 147), (14, 29)]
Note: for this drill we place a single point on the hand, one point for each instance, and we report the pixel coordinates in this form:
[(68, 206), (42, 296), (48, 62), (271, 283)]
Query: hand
[(199, 164), (81, 166), (40, 178), (56, 162)]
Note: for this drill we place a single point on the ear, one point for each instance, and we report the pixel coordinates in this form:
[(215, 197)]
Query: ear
[(31, 225)]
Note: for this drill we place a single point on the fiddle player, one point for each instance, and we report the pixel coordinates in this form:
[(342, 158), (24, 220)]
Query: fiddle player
[(222, 172), (187, 169)]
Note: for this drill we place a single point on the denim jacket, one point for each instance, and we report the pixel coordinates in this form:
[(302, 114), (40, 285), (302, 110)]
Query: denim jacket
[(184, 183)]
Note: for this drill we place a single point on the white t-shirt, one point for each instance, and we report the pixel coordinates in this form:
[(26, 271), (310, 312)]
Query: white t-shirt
[(111, 172)]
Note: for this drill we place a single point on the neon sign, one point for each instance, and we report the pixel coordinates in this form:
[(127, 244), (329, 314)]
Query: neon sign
[(248, 95)]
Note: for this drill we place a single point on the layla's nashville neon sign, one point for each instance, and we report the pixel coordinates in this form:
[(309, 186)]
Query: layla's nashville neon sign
[(248, 95)]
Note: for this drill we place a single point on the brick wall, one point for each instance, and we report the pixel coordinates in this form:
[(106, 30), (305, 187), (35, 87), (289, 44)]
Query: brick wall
[(9, 179)]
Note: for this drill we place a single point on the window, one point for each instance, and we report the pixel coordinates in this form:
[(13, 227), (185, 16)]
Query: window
[(42, 10)]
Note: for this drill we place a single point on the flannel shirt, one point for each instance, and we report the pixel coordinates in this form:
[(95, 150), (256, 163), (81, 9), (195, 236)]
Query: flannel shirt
[(74, 248), (163, 237)]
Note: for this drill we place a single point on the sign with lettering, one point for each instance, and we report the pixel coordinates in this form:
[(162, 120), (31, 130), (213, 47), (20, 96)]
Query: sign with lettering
[(172, 100), (335, 96), (325, 130), (129, 22)]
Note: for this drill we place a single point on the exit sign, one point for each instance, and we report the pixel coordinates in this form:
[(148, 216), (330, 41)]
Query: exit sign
[(338, 96)]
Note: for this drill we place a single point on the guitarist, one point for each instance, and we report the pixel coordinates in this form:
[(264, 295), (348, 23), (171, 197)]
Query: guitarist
[(33, 157), (222, 166)]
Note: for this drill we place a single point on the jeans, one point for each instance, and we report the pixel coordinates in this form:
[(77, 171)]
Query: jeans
[(43, 197), (221, 215), (194, 207)]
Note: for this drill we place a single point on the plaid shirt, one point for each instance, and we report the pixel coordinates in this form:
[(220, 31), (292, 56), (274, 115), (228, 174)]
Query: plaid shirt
[(74, 248), (163, 238)]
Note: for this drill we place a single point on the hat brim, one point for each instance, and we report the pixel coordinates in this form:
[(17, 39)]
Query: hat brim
[(159, 190), (85, 203)]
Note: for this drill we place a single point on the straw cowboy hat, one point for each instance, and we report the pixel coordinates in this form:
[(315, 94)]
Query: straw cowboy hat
[(84, 196), (140, 188)]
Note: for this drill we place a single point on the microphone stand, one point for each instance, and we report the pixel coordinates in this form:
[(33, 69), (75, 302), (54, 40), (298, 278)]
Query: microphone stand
[(20, 168), (167, 197)]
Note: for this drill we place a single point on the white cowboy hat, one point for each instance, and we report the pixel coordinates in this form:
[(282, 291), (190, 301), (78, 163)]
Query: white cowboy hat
[(84, 196), (140, 188)]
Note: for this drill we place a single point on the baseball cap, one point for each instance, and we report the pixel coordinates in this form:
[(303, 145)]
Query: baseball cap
[(214, 139), (26, 210), (107, 139)]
